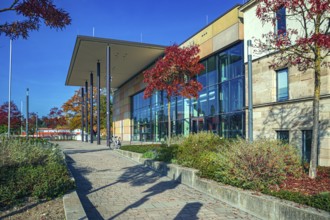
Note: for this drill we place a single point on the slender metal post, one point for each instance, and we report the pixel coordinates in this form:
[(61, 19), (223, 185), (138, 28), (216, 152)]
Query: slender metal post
[(91, 108), (21, 117), (108, 96), (86, 106), (82, 115), (27, 114), (250, 91), (9, 85), (98, 103), (37, 124)]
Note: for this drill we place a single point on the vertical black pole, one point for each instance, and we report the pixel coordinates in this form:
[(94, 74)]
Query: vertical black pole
[(82, 114), (108, 96), (98, 104), (91, 107), (86, 106), (27, 114)]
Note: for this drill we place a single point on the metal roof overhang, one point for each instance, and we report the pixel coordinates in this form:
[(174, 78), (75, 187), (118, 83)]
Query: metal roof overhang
[(126, 60)]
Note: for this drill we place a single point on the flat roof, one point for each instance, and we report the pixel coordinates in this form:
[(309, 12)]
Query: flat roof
[(126, 60)]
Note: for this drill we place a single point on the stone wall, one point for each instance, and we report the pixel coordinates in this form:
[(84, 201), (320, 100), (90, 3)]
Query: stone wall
[(295, 114)]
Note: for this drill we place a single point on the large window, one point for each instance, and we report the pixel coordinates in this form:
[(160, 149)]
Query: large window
[(282, 86)]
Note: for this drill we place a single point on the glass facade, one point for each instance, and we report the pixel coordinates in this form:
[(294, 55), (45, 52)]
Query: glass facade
[(219, 108)]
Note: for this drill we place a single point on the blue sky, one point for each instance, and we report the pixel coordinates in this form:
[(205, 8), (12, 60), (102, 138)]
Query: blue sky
[(41, 62)]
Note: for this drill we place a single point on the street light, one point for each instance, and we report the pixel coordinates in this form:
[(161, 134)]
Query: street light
[(27, 114), (9, 86), (250, 94)]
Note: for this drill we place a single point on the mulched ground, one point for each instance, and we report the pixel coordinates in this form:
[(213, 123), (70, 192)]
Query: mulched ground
[(308, 186), (36, 210)]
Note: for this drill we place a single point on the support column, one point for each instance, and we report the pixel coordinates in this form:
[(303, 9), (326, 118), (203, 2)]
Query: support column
[(98, 104), (82, 114), (86, 109), (108, 96), (91, 107)]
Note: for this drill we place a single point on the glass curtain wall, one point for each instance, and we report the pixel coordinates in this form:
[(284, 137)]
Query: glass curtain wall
[(219, 108)]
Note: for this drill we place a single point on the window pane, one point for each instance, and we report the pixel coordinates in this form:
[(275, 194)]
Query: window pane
[(307, 145), (213, 101), (203, 102), (224, 97), (282, 85), (281, 21), (236, 95), (236, 61), (224, 66), (283, 136)]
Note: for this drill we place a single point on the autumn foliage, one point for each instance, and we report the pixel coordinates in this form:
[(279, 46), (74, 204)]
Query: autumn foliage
[(175, 73), (304, 43), (34, 11)]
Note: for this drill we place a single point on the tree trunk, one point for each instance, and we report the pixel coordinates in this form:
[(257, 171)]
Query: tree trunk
[(169, 121), (316, 107)]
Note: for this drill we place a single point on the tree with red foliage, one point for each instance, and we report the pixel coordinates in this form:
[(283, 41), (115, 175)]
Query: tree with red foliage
[(175, 74), (34, 11), (55, 118), (15, 117), (305, 45)]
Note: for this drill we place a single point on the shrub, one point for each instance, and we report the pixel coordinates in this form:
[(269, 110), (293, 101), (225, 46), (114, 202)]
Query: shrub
[(31, 168), (257, 165), (193, 146), (140, 148), (208, 164)]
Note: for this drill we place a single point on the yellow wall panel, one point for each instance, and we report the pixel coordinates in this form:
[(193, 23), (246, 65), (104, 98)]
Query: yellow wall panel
[(206, 48), (226, 21)]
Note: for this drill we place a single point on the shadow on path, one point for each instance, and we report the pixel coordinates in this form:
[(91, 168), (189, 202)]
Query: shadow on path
[(154, 190), (189, 211), (83, 186)]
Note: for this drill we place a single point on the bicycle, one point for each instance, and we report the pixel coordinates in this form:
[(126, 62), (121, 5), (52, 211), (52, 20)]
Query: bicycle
[(115, 142)]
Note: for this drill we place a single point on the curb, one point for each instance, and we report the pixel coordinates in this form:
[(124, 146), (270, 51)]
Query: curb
[(254, 203), (73, 208)]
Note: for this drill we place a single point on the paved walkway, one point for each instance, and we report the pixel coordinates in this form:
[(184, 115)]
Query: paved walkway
[(111, 186)]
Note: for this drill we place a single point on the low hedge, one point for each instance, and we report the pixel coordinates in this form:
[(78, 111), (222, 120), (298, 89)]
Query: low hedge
[(33, 168)]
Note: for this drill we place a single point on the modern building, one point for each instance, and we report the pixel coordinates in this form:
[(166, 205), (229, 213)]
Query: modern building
[(282, 98), (281, 108), (220, 107)]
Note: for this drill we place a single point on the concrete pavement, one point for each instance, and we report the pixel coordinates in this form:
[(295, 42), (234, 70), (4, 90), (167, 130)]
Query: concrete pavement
[(111, 186)]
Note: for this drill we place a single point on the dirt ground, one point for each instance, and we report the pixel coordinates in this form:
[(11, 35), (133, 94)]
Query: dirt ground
[(35, 210)]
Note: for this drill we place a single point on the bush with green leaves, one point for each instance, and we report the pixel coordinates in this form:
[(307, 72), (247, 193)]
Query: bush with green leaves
[(140, 148), (32, 168), (257, 165), (195, 145)]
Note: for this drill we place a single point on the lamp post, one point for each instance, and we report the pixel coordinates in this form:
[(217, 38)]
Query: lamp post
[(9, 86), (27, 114), (36, 124), (250, 91)]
